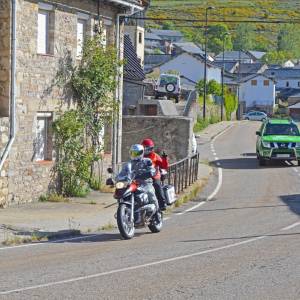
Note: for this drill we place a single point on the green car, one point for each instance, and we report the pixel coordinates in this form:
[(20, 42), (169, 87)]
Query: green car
[(278, 139)]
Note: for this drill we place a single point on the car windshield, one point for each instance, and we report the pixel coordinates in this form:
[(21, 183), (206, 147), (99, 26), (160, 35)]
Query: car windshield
[(281, 129), (167, 79)]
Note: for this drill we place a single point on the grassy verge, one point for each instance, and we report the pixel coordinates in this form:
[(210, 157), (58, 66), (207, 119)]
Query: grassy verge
[(53, 198), (202, 124), (190, 194), (19, 240)]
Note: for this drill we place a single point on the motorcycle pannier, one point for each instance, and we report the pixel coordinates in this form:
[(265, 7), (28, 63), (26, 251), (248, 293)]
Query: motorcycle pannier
[(170, 194)]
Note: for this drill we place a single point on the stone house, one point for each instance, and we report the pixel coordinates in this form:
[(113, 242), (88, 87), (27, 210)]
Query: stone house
[(34, 39)]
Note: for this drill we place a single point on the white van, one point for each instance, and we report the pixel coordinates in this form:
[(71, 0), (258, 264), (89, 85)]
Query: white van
[(168, 85)]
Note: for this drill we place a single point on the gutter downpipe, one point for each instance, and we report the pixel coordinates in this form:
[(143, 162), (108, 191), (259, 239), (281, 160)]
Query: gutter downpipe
[(12, 111), (117, 116)]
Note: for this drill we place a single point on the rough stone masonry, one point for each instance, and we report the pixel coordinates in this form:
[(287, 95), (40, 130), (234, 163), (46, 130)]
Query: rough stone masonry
[(24, 178)]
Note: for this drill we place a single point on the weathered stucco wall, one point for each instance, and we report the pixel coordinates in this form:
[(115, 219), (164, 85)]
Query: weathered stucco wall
[(28, 178), (172, 134)]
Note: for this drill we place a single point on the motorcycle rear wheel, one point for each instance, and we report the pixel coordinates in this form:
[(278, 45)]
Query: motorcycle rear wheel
[(156, 223), (126, 227)]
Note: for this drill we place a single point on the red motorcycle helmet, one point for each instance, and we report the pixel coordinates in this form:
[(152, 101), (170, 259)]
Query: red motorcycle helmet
[(148, 146)]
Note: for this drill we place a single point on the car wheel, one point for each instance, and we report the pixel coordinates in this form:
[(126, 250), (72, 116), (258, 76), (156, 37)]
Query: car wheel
[(298, 162), (170, 87), (262, 161), (247, 119)]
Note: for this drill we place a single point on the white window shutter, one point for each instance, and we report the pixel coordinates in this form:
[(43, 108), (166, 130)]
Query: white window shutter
[(80, 36), (43, 18)]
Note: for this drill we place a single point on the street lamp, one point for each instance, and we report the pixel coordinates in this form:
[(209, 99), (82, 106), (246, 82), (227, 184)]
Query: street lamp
[(223, 70), (205, 61)]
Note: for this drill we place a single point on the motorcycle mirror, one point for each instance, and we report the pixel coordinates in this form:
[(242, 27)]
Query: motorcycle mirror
[(110, 170)]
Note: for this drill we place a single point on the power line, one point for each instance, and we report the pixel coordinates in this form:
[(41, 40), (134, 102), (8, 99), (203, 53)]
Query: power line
[(294, 21)]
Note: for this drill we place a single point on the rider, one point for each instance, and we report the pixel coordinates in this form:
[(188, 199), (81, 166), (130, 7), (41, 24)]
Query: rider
[(158, 163), (142, 170)]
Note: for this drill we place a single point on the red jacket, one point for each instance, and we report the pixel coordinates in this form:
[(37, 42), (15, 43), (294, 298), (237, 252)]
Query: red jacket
[(158, 163)]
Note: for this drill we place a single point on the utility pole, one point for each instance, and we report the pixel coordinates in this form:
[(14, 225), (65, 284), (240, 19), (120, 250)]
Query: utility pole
[(205, 61), (223, 71)]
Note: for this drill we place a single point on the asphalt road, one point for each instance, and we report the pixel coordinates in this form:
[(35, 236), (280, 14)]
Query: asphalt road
[(243, 244)]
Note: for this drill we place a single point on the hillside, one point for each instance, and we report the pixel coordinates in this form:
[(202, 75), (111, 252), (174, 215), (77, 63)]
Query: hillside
[(234, 10)]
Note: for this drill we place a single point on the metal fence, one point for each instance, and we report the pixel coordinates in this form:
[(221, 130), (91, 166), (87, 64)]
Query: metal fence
[(183, 173)]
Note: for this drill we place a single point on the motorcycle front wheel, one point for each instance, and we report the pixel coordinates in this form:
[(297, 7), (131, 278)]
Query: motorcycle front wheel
[(126, 227), (156, 223)]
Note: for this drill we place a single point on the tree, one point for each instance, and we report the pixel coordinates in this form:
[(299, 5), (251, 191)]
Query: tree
[(230, 103), (167, 25), (216, 34), (276, 57), (288, 39), (213, 87), (245, 37), (77, 132)]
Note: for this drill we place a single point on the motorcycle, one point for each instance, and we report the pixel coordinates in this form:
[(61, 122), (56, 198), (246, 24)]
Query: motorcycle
[(134, 209)]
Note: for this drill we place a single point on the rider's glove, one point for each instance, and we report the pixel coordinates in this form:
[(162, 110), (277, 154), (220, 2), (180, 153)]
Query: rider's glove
[(164, 154)]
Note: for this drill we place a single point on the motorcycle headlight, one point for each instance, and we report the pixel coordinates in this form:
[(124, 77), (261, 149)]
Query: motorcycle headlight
[(120, 185), (266, 144)]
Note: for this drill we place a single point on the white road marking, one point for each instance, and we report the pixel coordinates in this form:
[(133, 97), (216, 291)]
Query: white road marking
[(116, 271), (218, 187), (291, 226), (196, 206), (295, 170)]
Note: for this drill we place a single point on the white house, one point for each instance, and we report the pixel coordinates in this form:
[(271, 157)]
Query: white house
[(191, 67), (286, 78), (257, 91)]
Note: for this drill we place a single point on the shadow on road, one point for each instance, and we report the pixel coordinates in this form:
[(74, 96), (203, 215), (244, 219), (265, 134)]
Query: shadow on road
[(249, 154), (277, 235), (246, 163), (237, 208), (96, 238), (293, 202)]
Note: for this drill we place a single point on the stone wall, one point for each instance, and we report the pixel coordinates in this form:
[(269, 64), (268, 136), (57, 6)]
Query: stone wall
[(4, 56), (4, 135), (172, 134), (133, 93), (36, 93)]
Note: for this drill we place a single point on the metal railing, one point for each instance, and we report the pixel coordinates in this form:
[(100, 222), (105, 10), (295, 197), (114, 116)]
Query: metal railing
[(184, 173)]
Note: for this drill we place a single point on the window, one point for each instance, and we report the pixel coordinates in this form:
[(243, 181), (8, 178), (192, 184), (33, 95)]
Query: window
[(253, 82), (140, 37), (43, 143), (287, 84), (43, 32), (299, 83), (81, 27), (266, 82)]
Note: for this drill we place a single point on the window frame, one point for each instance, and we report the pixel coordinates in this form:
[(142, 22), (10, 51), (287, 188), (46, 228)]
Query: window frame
[(47, 145), (45, 13), (254, 82)]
